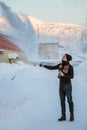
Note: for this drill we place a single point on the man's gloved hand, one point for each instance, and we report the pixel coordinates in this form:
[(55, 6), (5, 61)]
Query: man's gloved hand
[(41, 65)]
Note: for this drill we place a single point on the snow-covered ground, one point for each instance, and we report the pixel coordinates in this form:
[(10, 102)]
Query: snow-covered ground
[(29, 95), (29, 98)]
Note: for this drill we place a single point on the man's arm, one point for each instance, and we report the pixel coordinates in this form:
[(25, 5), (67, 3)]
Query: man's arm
[(50, 67)]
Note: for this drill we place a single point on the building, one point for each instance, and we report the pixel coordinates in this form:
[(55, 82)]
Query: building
[(9, 52), (48, 49)]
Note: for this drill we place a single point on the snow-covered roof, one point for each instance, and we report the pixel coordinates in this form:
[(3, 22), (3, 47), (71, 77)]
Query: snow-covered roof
[(6, 44)]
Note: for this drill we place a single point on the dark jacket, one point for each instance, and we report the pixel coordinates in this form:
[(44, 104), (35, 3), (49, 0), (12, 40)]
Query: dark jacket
[(67, 70)]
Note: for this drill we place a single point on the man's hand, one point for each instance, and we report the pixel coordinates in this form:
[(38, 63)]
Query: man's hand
[(41, 65), (61, 73)]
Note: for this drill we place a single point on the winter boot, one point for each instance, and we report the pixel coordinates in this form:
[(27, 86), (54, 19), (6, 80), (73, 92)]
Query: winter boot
[(71, 117), (62, 118)]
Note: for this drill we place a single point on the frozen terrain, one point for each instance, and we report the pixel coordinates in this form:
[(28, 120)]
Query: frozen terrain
[(29, 96)]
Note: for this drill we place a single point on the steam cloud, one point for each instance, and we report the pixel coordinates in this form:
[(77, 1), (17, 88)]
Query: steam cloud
[(23, 30)]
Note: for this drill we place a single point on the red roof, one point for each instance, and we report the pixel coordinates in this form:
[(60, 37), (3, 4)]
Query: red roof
[(6, 44)]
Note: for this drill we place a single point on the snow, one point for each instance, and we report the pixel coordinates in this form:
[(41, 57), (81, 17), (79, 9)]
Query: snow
[(29, 98), (20, 29), (12, 55), (29, 94), (25, 30)]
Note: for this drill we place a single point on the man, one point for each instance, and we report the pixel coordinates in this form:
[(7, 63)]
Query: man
[(65, 74)]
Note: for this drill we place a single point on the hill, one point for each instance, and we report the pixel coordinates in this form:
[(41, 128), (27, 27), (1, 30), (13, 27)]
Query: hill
[(26, 31)]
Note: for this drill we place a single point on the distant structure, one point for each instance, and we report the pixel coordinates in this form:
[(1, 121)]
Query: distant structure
[(48, 48), (84, 42), (9, 52)]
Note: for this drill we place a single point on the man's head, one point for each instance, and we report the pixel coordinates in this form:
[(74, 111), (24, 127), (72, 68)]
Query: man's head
[(67, 58)]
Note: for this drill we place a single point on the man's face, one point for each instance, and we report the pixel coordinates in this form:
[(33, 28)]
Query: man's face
[(64, 58)]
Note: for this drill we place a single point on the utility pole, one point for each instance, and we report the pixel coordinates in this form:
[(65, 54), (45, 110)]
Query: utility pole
[(37, 31)]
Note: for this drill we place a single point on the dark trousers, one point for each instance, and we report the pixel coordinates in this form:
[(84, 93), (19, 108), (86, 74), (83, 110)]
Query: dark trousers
[(66, 91)]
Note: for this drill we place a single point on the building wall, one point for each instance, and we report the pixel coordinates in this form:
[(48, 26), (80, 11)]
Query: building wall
[(10, 52), (4, 57), (48, 50)]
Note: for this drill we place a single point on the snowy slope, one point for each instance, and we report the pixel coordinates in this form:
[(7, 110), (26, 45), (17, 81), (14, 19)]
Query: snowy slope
[(69, 34), (29, 98), (25, 31), (70, 37)]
